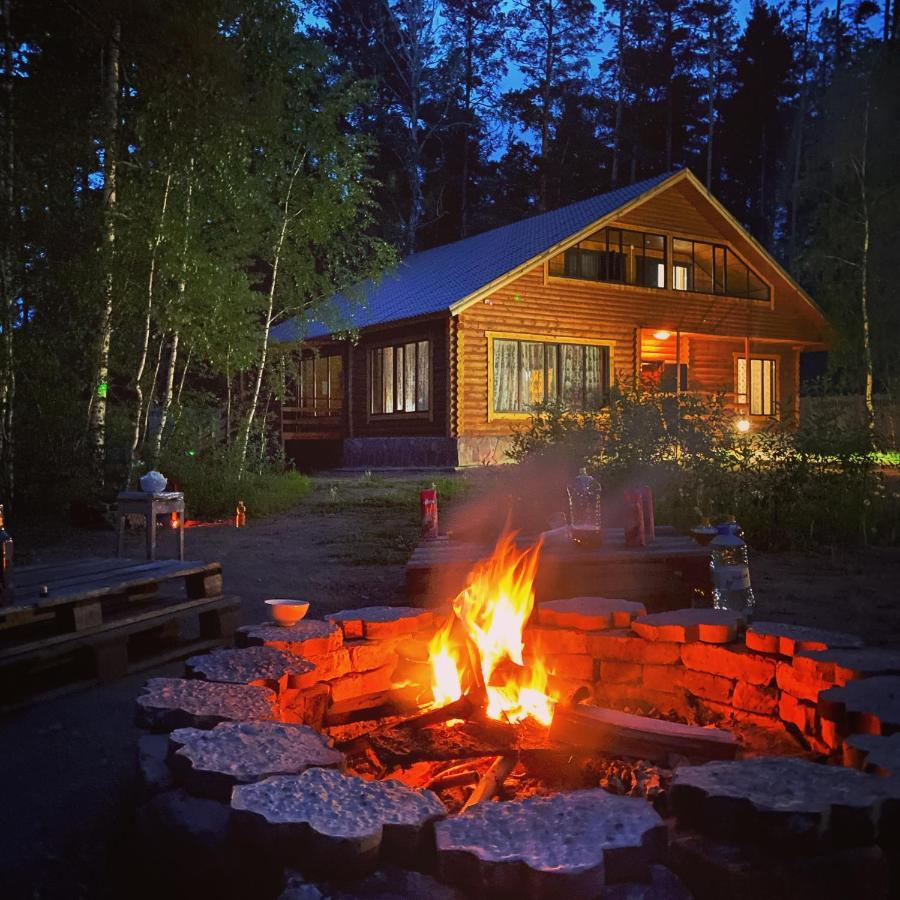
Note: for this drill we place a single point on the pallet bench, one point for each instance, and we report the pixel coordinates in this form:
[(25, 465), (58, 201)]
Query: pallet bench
[(665, 574), (97, 619)]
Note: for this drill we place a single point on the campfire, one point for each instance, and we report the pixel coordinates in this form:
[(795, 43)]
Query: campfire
[(479, 651)]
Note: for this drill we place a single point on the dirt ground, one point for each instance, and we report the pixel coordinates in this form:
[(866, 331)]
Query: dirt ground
[(66, 791)]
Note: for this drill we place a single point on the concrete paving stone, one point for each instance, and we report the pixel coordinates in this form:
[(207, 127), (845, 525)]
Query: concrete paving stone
[(875, 753), (589, 613), (787, 640), (209, 763), (327, 821), (789, 803), (257, 665), (803, 687), (664, 885), (729, 662), (367, 655), (714, 626), (623, 645), (170, 703), (388, 883), (382, 622), (866, 706), (154, 775), (309, 637), (841, 665), (566, 845)]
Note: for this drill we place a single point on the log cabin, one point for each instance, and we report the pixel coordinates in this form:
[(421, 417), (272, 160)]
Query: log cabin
[(655, 282)]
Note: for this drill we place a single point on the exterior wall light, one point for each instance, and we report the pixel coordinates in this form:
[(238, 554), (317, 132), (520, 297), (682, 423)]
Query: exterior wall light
[(742, 425), (662, 335)]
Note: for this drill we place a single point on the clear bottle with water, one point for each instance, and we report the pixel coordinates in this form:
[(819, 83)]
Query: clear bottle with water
[(584, 510), (730, 572)]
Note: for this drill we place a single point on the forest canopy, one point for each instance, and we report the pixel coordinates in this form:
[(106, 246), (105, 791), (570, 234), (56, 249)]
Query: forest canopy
[(178, 177)]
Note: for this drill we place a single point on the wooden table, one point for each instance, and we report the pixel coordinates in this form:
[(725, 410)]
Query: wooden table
[(663, 575), (103, 616), (150, 506)]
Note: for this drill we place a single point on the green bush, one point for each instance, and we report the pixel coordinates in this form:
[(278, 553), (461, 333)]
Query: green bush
[(212, 486), (818, 485)]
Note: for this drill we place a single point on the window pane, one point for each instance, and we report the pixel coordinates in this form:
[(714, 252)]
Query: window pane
[(720, 270), (735, 276), (321, 402), (336, 380), (615, 269), (741, 386), (377, 376), (572, 376), (423, 376), (308, 387), (550, 354), (531, 377), (595, 376), (703, 267), (768, 399), (409, 379), (505, 371), (632, 255), (571, 262), (654, 268), (757, 289), (557, 264), (756, 387), (682, 263), (399, 372), (388, 379)]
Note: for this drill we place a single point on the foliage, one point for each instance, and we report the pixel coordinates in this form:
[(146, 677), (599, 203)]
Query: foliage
[(818, 485)]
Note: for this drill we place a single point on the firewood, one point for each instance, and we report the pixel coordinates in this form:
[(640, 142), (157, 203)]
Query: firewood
[(614, 732), (455, 779), (491, 781)]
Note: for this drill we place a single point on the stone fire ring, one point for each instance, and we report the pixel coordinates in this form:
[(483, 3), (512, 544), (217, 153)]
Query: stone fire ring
[(324, 820), (211, 763), (566, 845)]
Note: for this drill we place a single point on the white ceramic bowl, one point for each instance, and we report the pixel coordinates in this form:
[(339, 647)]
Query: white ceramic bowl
[(288, 612)]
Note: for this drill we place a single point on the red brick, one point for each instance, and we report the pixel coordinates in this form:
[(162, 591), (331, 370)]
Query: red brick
[(755, 699), (741, 717), (620, 673), (588, 613), (547, 641), (709, 687), (830, 733), (623, 646), (797, 712), (572, 665), (641, 699), (664, 678), (728, 662), (564, 689), (331, 665), (306, 707), (356, 684), (801, 686), (368, 655)]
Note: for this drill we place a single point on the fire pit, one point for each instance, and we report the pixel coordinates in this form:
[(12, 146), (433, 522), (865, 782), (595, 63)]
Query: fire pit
[(367, 746)]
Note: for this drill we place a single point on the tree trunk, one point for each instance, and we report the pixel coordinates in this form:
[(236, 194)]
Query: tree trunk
[(267, 327), (620, 96), (153, 385), (799, 128), (9, 287), (97, 421), (172, 360), (864, 273), (148, 325), (711, 91)]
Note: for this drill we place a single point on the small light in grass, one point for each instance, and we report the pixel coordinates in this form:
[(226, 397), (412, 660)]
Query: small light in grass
[(662, 335), (190, 452), (742, 425)]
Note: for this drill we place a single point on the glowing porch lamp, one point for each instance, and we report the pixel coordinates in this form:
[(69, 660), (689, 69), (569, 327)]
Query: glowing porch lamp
[(662, 335), (742, 425)]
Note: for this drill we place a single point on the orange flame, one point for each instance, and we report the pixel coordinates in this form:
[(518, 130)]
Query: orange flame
[(494, 610), (174, 520)]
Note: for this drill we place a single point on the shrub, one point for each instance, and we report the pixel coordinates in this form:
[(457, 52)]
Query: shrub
[(820, 484)]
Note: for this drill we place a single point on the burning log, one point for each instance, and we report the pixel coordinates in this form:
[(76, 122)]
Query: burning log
[(491, 781), (614, 732)]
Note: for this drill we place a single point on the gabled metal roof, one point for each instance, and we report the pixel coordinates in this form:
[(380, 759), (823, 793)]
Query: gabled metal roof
[(435, 280)]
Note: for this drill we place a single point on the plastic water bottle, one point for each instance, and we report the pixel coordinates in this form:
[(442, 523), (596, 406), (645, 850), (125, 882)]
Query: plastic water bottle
[(584, 510), (730, 572)]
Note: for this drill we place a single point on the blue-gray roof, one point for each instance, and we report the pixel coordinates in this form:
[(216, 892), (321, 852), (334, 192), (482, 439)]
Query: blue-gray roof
[(434, 280)]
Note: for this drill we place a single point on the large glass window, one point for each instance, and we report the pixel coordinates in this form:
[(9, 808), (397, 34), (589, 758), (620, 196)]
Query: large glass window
[(758, 391), (400, 378), (321, 388), (617, 255), (530, 372), (713, 269)]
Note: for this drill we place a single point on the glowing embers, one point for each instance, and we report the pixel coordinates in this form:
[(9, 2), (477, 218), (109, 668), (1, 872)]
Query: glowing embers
[(479, 650)]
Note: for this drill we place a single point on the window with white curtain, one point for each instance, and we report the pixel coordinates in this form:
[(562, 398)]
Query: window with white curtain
[(757, 389), (400, 378), (529, 372)]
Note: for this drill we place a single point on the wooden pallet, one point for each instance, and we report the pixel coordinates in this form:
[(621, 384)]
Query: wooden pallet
[(663, 575), (104, 618)]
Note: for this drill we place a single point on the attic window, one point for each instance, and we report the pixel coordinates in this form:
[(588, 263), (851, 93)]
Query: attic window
[(713, 269), (615, 255)]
